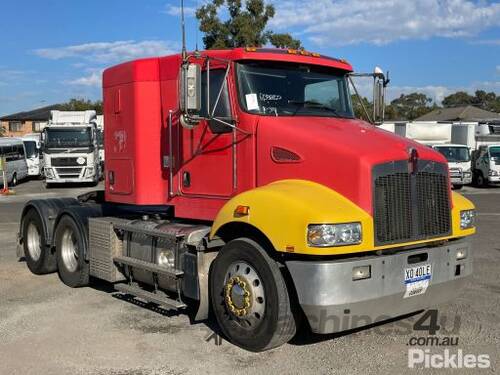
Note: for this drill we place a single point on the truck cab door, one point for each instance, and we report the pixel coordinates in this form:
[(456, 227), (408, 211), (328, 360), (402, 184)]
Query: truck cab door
[(207, 157)]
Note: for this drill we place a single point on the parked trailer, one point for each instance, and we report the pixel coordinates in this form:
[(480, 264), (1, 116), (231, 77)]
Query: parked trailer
[(240, 181)]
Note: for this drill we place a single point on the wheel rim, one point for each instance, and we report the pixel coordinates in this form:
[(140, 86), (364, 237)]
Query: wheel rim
[(14, 180), (33, 242), (244, 295), (69, 250)]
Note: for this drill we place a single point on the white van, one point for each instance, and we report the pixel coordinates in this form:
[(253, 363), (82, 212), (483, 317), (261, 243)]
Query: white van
[(15, 156), (34, 156)]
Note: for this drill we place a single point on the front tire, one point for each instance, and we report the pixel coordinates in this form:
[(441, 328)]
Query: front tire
[(250, 298), (70, 254), (38, 256), (481, 181), (13, 182)]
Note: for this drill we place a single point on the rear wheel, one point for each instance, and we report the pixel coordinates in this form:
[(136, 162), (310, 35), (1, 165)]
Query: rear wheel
[(13, 182), (250, 297), (70, 245), (38, 256)]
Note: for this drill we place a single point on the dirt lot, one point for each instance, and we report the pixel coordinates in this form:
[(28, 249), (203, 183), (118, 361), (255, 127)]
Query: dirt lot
[(48, 328)]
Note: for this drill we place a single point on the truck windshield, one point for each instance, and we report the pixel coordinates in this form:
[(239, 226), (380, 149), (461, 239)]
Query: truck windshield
[(495, 152), (31, 150), (64, 138), (455, 154), (284, 89)]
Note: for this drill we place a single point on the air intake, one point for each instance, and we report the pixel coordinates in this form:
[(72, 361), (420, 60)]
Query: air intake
[(282, 155)]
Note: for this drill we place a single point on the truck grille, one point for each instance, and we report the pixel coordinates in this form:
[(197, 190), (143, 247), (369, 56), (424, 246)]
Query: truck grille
[(410, 206), (65, 162), (69, 171), (455, 173)]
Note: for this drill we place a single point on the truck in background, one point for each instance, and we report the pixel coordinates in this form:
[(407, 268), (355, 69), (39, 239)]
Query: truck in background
[(439, 135), (34, 155), (70, 148), (240, 181), (486, 162), (100, 142)]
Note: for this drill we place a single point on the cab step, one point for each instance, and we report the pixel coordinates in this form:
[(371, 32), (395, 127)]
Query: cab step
[(160, 300), (148, 266)]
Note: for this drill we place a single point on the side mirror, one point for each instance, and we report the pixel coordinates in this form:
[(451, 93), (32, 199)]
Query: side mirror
[(190, 95)]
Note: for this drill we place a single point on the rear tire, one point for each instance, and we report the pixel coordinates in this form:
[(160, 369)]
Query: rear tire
[(70, 253), (38, 256), (13, 182), (250, 298)]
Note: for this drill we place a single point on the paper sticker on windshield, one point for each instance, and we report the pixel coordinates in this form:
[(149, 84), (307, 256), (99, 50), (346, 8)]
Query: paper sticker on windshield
[(252, 102)]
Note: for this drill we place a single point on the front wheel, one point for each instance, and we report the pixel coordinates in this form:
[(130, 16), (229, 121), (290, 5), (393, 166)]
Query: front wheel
[(481, 181), (70, 245), (250, 298), (14, 180)]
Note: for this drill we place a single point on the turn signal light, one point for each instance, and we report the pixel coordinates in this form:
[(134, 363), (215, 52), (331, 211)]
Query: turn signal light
[(241, 211)]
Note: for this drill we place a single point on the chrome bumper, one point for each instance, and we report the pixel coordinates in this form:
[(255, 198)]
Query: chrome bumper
[(333, 302)]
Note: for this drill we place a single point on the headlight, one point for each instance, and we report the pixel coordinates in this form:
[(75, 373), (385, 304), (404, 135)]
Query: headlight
[(89, 172), (49, 173), (81, 160), (492, 173), (467, 219), (322, 235)]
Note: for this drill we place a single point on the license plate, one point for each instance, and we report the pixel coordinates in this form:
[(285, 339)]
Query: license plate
[(417, 280)]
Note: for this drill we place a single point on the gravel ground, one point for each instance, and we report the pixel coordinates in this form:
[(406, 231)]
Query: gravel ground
[(48, 328)]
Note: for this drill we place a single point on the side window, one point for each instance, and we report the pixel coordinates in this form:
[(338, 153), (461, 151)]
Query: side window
[(20, 150), (325, 92), (223, 109), (9, 153)]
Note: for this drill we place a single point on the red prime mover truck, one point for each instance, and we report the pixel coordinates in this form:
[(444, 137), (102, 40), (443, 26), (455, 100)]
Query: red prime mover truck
[(239, 180)]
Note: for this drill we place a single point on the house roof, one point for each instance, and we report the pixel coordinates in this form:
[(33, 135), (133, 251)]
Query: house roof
[(463, 113), (38, 114)]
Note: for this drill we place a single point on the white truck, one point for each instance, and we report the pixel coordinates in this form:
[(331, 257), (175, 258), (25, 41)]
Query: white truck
[(487, 165), (34, 156), (100, 141), (439, 136), (70, 148)]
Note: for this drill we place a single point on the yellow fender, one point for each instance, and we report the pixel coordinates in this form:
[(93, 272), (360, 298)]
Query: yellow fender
[(282, 211)]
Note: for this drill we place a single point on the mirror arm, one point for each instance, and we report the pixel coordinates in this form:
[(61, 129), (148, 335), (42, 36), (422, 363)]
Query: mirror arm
[(208, 86), (230, 125), (359, 97), (224, 83)]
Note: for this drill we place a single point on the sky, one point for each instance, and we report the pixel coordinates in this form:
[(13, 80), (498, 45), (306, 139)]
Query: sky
[(54, 50)]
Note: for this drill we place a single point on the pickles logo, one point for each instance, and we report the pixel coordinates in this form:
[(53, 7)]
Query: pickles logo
[(423, 358)]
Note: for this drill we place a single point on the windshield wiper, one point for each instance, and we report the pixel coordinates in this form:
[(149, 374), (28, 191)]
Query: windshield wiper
[(313, 104)]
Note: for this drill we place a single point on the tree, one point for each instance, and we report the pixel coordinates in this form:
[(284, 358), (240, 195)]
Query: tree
[(358, 108), (80, 104), (411, 106), (2, 131), (458, 98), (245, 26)]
